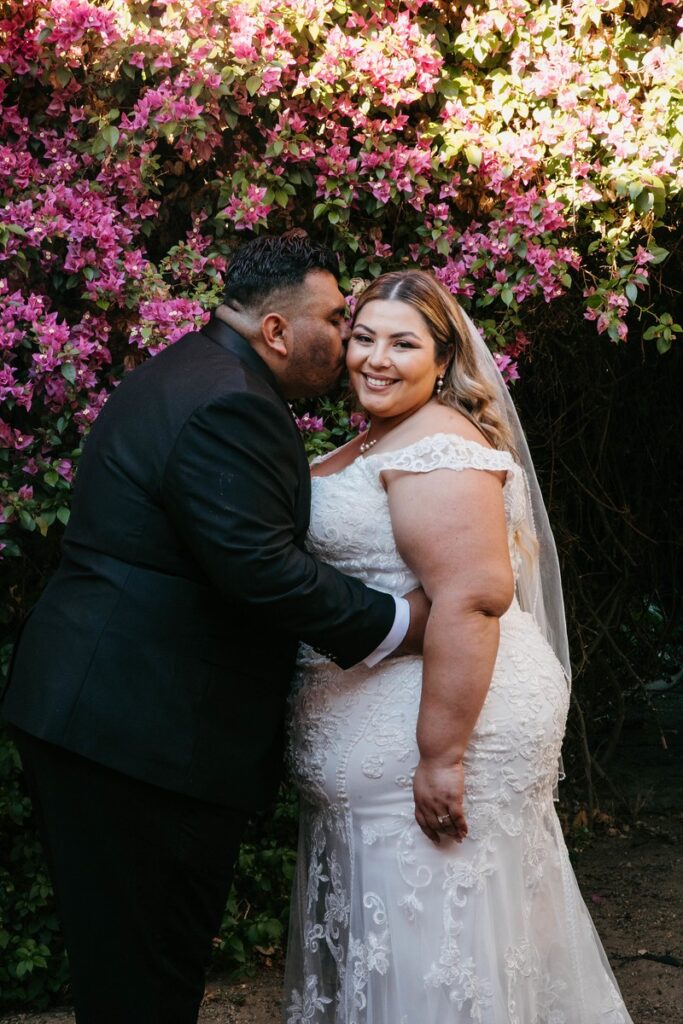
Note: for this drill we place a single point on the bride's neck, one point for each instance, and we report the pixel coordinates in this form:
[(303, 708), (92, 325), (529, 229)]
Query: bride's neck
[(380, 426)]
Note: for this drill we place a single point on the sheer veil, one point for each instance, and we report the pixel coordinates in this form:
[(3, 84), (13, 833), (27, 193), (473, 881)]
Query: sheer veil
[(539, 585)]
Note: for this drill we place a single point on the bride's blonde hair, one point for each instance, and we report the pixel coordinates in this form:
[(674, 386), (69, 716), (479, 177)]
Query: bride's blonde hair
[(464, 387)]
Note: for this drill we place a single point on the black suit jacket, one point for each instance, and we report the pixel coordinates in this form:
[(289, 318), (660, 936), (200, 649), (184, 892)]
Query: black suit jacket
[(164, 645)]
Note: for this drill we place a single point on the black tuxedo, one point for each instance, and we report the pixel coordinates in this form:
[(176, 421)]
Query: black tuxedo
[(163, 647), (164, 644)]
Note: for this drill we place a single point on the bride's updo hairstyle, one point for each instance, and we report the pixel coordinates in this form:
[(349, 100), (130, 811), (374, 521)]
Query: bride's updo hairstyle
[(464, 387)]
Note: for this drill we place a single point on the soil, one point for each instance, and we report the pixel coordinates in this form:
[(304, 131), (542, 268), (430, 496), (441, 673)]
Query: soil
[(631, 877)]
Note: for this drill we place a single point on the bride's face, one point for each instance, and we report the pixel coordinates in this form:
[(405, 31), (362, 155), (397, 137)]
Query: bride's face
[(391, 359)]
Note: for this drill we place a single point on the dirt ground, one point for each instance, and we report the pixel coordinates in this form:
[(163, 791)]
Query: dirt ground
[(632, 882)]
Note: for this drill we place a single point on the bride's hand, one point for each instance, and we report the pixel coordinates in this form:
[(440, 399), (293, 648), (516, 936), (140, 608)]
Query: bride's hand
[(439, 791)]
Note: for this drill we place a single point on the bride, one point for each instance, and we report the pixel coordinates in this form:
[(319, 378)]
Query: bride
[(433, 883)]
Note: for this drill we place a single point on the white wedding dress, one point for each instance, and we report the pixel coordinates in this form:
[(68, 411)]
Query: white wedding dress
[(388, 928)]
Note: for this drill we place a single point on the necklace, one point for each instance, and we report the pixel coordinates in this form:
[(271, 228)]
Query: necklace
[(367, 444)]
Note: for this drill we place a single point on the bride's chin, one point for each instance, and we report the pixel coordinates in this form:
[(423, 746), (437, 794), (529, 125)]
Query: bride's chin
[(378, 400), (378, 410)]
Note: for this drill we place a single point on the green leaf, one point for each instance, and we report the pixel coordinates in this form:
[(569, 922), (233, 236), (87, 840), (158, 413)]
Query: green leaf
[(51, 478), (644, 201), (253, 84), (63, 515), (26, 521), (631, 292), (508, 112), (474, 155), (281, 198), (69, 372), (658, 253), (63, 76), (506, 294), (663, 345), (111, 135), (42, 525)]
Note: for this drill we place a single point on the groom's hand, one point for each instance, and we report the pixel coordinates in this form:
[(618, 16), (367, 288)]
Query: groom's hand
[(419, 613)]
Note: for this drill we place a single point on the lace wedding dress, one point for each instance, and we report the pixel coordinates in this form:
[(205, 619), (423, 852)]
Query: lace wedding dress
[(388, 928)]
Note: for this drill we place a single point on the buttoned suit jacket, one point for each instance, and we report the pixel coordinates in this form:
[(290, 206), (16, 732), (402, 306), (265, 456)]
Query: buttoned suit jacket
[(164, 645)]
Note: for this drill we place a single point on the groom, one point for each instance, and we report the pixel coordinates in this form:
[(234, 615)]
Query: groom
[(149, 683)]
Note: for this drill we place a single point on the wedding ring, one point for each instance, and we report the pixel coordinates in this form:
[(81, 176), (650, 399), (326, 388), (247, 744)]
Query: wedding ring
[(445, 818)]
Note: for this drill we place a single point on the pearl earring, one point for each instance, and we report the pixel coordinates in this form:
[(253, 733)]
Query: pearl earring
[(439, 385)]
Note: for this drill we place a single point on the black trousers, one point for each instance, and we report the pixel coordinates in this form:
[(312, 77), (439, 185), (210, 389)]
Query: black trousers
[(141, 878)]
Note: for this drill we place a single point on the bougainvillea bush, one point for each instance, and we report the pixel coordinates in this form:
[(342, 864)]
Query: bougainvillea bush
[(530, 153), (520, 149)]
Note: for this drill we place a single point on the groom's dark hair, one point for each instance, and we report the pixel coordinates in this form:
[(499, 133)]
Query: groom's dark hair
[(269, 263)]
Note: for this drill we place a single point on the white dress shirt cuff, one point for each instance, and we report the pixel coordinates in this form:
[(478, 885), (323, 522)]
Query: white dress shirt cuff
[(395, 636)]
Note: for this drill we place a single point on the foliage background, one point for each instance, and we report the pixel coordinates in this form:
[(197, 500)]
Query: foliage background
[(529, 152)]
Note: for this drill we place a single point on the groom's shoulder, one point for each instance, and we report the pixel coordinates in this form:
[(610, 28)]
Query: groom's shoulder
[(193, 356), (196, 371)]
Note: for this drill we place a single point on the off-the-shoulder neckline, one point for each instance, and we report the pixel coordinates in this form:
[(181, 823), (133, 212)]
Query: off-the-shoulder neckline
[(360, 459)]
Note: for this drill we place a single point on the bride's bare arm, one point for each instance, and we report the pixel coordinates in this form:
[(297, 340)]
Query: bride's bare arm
[(450, 529)]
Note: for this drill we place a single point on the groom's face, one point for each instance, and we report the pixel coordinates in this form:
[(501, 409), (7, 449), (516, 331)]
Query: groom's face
[(318, 325)]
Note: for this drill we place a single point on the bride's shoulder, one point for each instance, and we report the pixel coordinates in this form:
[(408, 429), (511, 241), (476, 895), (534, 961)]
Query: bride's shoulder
[(442, 437), (446, 421)]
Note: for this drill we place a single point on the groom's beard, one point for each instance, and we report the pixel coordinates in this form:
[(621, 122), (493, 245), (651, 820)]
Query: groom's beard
[(315, 374)]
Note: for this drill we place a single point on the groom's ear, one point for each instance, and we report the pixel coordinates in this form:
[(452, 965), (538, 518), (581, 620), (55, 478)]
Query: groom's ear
[(276, 335)]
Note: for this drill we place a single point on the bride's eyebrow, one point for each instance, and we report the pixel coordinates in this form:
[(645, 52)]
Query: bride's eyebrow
[(397, 334)]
